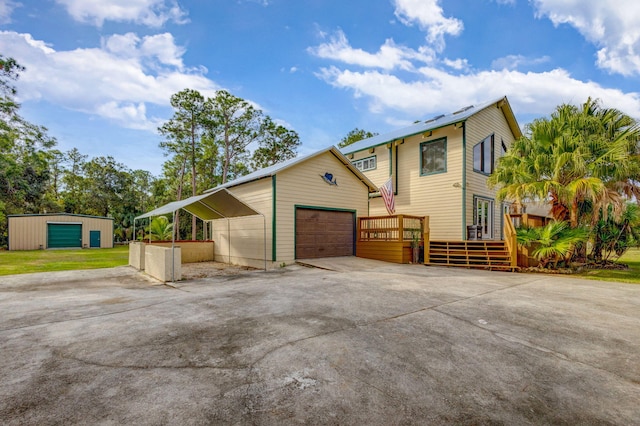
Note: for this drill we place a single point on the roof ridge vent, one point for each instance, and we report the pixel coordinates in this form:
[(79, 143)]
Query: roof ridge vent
[(436, 118), (467, 108)]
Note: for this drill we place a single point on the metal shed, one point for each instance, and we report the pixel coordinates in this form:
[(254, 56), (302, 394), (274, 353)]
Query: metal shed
[(59, 230)]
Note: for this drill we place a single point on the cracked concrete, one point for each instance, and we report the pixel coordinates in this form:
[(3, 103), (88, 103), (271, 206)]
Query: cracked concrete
[(368, 343)]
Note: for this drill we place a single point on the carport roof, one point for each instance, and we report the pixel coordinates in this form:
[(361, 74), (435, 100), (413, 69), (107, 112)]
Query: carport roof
[(212, 205)]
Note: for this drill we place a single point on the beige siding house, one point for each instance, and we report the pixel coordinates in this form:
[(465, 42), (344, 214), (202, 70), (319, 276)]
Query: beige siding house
[(439, 168), (59, 230), (308, 207)]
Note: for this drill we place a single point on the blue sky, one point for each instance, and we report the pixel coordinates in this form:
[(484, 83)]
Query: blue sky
[(100, 73)]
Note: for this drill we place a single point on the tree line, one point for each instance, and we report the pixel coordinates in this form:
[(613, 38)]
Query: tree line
[(207, 142)]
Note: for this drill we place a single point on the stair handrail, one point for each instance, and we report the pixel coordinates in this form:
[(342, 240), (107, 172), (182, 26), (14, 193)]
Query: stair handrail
[(511, 240)]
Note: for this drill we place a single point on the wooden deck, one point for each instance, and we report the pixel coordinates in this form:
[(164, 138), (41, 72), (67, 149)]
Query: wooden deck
[(395, 238), (391, 238)]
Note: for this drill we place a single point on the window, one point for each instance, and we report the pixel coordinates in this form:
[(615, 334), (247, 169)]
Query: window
[(504, 147), (483, 156), (365, 164), (433, 157)]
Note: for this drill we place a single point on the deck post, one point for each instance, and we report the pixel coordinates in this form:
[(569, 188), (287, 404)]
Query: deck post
[(425, 238), (400, 229), (358, 235)]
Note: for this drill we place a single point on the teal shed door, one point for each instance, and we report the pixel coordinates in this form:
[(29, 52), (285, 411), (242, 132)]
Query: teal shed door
[(63, 235), (94, 239)]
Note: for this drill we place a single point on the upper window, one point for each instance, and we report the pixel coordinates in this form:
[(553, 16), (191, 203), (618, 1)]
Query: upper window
[(433, 157), (483, 156), (365, 164)]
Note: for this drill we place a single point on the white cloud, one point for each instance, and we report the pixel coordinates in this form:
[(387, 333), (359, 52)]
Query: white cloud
[(512, 62), (612, 26), (456, 64), (153, 13), (160, 48), (430, 17), (6, 9), (438, 91), (389, 56), (118, 81)]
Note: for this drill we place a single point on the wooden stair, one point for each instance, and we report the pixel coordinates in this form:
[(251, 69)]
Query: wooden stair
[(483, 254)]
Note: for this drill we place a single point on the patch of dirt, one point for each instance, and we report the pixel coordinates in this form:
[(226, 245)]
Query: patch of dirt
[(191, 271)]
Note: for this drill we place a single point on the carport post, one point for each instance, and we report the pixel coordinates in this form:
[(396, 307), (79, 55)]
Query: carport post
[(173, 251)]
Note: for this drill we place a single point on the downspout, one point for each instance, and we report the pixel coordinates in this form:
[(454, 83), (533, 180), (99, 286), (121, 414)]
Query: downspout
[(264, 230), (395, 173), (273, 218), (464, 180)]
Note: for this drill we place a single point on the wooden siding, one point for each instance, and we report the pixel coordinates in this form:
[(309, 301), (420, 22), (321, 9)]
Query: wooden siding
[(30, 232), (431, 195), (303, 185), (388, 251), (382, 172), (245, 246), (490, 120)]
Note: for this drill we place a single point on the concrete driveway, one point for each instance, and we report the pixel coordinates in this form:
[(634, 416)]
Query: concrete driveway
[(385, 344)]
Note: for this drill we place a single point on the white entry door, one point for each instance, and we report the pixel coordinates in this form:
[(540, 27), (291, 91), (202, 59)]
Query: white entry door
[(484, 217)]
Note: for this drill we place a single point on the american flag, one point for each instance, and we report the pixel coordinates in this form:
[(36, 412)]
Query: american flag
[(386, 190)]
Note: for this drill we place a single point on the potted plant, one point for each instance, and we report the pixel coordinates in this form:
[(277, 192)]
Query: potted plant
[(415, 246)]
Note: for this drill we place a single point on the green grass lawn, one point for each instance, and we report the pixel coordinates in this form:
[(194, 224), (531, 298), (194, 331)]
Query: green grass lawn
[(631, 275), (24, 262)]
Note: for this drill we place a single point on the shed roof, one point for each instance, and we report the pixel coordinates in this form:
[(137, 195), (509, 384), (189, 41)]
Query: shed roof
[(276, 168), (60, 214), (437, 122)]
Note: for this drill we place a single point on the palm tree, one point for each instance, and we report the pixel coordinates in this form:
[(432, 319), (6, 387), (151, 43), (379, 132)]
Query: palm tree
[(587, 154), (160, 229), (614, 236), (551, 243)]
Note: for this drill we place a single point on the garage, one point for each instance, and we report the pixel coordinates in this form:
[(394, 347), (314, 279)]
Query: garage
[(59, 230), (324, 233), (64, 235)]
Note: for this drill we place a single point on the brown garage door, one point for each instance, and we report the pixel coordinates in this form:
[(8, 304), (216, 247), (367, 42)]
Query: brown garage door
[(324, 233)]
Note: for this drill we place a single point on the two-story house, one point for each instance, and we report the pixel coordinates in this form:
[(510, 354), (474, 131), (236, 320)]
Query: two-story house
[(439, 168)]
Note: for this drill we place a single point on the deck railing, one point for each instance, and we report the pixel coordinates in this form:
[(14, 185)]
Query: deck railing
[(396, 238), (390, 228), (516, 220), (511, 240)]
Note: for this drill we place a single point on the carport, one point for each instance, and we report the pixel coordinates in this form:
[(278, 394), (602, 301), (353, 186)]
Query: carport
[(220, 204)]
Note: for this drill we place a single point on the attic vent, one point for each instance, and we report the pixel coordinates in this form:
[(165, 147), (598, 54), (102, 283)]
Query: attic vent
[(463, 109), (437, 117)]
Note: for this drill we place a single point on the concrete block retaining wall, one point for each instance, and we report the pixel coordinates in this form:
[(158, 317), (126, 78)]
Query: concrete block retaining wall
[(159, 263)]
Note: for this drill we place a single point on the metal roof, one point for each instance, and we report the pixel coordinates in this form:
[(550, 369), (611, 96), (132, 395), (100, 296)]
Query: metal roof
[(276, 168), (212, 205), (434, 123)]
